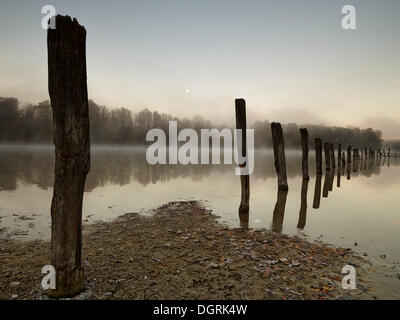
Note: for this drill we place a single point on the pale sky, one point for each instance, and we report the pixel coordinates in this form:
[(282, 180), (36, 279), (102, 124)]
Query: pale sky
[(291, 60)]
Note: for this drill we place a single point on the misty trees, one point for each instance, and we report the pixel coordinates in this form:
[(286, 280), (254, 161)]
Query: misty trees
[(33, 123), (9, 119)]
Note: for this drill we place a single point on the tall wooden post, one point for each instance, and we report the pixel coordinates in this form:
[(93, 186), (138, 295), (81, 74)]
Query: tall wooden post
[(318, 155), (327, 156), (304, 148), (332, 152), (339, 160), (279, 154), (69, 101), (240, 108)]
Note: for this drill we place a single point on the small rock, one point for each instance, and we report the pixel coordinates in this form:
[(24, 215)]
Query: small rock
[(14, 296), (14, 284)]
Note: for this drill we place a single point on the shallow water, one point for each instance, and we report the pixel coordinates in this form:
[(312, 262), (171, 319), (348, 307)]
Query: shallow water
[(363, 210)]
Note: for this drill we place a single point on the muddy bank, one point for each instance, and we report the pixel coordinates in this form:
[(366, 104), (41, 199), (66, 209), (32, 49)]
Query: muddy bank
[(182, 252)]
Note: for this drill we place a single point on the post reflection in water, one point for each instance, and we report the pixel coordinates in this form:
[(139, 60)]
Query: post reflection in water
[(113, 168), (317, 192), (303, 205), (279, 211), (348, 170), (331, 180), (327, 183)]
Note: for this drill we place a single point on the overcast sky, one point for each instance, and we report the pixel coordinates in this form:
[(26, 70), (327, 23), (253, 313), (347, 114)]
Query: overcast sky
[(290, 59)]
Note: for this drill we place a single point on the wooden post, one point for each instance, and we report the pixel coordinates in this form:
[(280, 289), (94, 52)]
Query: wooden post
[(304, 148), (317, 191), (279, 211), (318, 155), (332, 152), (240, 108), (244, 219), (69, 101), (279, 154), (339, 161), (327, 156), (303, 204), (338, 176)]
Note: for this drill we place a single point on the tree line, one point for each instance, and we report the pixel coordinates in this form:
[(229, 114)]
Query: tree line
[(32, 123)]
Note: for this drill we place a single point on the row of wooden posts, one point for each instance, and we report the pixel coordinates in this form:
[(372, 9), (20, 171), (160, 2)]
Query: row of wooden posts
[(280, 160)]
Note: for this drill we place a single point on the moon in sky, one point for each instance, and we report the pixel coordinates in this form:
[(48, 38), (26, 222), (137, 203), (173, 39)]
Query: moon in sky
[(186, 90)]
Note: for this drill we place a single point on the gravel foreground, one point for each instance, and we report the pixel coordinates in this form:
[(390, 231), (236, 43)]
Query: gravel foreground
[(182, 252)]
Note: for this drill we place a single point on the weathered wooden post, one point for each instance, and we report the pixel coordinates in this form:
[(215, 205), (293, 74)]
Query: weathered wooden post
[(279, 211), (317, 191), (304, 148), (244, 219), (327, 156), (339, 161), (318, 155), (279, 154), (240, 108), (303, 204), (332, 152), (69, 101)]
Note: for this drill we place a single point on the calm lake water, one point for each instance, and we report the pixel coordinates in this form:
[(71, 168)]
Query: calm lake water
[(363, 210)]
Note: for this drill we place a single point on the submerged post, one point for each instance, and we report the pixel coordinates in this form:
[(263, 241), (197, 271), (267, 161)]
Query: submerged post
[(327, 156), (332, 151), (318, 155), (240, 108), (304, 148), (69, 101), (279, 154)]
